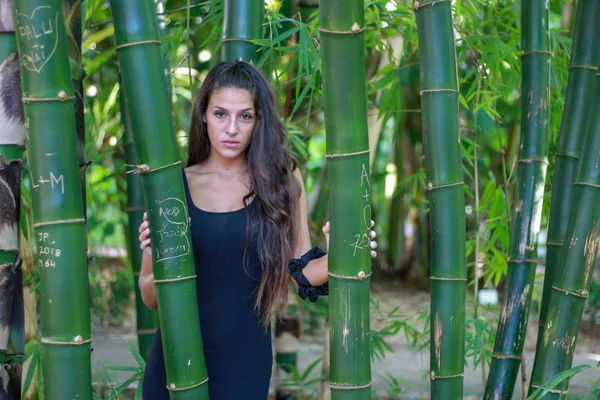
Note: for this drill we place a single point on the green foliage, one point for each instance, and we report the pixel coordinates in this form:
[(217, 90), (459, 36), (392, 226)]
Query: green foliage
[(110, 296)]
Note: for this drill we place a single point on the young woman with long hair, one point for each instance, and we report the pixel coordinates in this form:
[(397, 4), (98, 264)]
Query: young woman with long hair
[(249, 229)]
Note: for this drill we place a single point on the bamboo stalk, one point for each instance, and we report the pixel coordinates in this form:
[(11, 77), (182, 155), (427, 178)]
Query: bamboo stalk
[(242, 22), (527, 212), (146, 320), (344, 88), (58, 215), (439, 110), (584, 58), (570, 289), (138, 49)]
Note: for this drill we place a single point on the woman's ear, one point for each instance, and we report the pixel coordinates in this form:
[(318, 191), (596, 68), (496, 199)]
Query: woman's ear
[(204, 118)]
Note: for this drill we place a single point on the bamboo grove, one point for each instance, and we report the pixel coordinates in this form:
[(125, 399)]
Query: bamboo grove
[(482, 113)]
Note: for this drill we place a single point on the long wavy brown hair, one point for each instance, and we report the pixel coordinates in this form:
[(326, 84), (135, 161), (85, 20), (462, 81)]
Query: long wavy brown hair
[(273, 186)]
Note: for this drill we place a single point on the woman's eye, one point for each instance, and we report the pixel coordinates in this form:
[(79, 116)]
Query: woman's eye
[(246, 116), (220, 114)]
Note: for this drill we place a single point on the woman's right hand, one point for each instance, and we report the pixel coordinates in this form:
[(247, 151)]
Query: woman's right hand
[(145, 242)]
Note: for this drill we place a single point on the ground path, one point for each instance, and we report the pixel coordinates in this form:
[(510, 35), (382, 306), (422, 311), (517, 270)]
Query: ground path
[(410, 366)]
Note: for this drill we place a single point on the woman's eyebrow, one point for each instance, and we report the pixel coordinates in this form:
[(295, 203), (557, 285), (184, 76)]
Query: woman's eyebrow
[(225, 109)]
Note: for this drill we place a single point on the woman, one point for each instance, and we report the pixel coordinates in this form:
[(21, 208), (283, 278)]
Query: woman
[(248, 219)]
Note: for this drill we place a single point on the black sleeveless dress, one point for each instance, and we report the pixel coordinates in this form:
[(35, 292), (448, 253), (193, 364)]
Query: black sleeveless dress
[(236, 346)]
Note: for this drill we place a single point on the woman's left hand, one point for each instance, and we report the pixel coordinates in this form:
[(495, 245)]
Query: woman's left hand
[(372, 244)]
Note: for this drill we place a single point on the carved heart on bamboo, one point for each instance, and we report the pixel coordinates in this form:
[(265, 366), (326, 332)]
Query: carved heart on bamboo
[(39, 37)]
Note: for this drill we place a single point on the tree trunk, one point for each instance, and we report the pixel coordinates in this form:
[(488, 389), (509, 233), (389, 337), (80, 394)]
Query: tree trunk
[(58, 215), (571, 286), (344, 89), (441, 140), (242, 22), (584, 58), (138, 49), (12, 145), (527, 212)]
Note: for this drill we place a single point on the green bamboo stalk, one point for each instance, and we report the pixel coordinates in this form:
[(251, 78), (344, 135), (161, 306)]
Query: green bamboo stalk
[(397, 214), (242, 22), (12, 146), (162, 29), (572, 284), (584, 58), (146, 320), (138, 49), (344, 93), (307, 9), (441, 140), (527, 212), (59, 226)]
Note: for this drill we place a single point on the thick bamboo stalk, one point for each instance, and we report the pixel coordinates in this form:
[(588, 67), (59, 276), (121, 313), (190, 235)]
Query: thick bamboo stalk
[(584, 58), (146, 320), (527, 212), (343, 51), (439, 114), (138, 49), (242, 22), (571, 286), (12, 145), (59, 226)]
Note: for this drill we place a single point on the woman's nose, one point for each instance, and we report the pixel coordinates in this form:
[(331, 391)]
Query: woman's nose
[(232, 128)]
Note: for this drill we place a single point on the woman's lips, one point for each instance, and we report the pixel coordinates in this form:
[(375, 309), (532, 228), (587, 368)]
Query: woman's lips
[(230, 143)]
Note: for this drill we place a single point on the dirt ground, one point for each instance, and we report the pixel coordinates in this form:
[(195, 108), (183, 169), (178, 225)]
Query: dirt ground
[(410, 366)]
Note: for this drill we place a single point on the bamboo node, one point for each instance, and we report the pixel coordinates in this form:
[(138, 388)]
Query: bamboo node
[(422, 92), (566, 155), (59, 222), (340, 155), (172, 387), (145, 168), (431, 187), (77, 341), (439, 278), (590, 67), (586, 184), (175, 279), (344, 386), (359, 277), (506, 356), (137, 43), (577, 293), (557, 244), (522, 260), (353, 30), (433, 376), (526, 53), (418, 5), (534, 159)]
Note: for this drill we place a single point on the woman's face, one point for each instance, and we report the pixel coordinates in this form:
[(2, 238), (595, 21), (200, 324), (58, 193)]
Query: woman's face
[(230, 119)]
